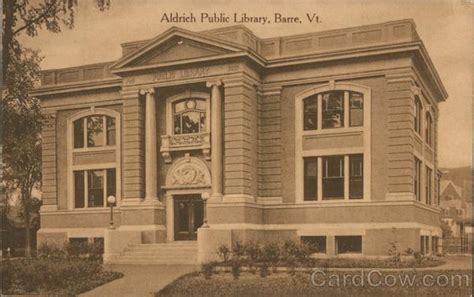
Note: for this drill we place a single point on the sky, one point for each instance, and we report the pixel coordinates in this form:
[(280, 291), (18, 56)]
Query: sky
[(445, 26)]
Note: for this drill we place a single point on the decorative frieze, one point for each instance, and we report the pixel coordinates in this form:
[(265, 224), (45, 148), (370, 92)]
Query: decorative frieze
[(200, 141)]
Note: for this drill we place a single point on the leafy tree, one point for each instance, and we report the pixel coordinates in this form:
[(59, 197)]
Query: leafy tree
[(21, 114)]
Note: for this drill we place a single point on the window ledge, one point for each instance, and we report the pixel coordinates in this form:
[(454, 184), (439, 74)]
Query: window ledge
[(95, 149), (334, 201), (334, 131), (196, 141)]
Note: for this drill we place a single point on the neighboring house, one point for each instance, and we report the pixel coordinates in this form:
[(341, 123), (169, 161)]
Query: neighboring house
[(453, 207), (218, 136)]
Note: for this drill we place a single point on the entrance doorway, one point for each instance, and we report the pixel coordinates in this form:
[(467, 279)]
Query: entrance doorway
[(188, 216)]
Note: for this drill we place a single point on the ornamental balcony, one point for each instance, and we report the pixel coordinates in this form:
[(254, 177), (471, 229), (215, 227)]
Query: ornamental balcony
[(185, 142)]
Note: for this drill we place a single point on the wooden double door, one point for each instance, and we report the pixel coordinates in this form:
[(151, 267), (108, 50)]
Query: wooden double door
[(188, 216)]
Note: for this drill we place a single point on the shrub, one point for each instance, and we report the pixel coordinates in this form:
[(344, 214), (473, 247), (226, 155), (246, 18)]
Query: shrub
[(224, 253), (51, 251), (91, 251), (293, 252), (264, 270), (207, 269), (49, 275), (253, 252), (394, 253), (271, 253), (236, 266), (238, 250)]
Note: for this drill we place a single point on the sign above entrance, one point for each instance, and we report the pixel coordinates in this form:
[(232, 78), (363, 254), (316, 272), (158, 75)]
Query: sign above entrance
[(182, 74), (185, 73)]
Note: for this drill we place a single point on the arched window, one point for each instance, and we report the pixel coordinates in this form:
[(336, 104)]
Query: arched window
[(335, 106), (429, 129), (189, 116), (418, 117), (94, 131), (95, 177)]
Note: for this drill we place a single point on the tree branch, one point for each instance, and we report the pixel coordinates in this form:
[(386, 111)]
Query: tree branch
[(36, 19)]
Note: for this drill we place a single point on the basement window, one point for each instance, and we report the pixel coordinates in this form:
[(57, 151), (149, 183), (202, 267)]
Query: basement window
[(317, 244), (348, 244)]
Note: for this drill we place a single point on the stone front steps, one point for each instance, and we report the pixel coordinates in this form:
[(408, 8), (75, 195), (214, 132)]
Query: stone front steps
[(159, 253)]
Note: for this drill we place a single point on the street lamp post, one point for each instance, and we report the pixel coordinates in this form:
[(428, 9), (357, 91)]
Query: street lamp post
[(111, 200)]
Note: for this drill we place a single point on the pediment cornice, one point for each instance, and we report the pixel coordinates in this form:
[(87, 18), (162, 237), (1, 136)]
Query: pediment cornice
[(201, 47)]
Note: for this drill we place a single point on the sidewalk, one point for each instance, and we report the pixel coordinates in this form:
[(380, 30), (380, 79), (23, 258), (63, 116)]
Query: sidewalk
[(140, 280)]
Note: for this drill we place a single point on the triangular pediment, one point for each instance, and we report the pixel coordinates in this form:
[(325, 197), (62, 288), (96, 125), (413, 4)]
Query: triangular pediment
[(175, 45), (178, 49)]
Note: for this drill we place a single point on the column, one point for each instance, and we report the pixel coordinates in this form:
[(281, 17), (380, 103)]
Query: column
[(216, 140), (150, 146)]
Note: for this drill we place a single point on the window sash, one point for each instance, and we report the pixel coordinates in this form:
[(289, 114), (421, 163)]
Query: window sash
[(333, 177), (429, 183), (94, 131), (348, 244), (333, 109), (310, 113), (310, 179), (102, 185), (183, 122), (356, 176), (417, 115), (324, 177)]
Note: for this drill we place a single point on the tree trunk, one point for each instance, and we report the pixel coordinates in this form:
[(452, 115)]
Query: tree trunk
[(9, 8), (27, 236), (26, 221)]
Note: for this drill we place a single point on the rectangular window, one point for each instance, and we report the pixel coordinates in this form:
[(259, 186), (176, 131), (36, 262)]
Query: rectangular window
[(429, 185), (110, 130), (356, 111), (333, 177), (356, 178), (100, 184), (95, 131), (310, 179), (417, 181), (434, 245), (417, 115), (310, 113), (95, 187), (317, 244), (79, 133), (78, 240), (333, 110), (348, 244), (79, 189)]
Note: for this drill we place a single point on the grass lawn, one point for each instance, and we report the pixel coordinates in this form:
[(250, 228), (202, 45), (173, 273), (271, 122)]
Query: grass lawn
[(58, 277), (386, 283)]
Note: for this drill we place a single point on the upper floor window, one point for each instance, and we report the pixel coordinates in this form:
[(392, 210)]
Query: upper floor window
[(189, 116), (356, 112), (310, 113), (338, 109), (418, 117), (94, 131), (429, 129), (333, 109)]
